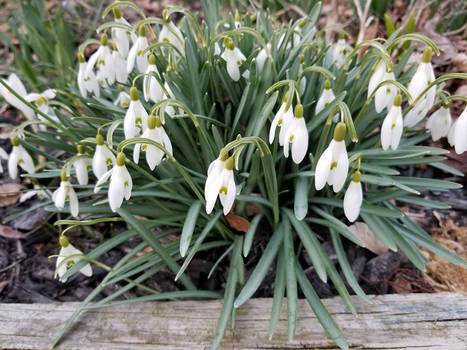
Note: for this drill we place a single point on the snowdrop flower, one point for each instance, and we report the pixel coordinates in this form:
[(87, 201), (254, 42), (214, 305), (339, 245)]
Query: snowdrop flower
[(220, 182), (457, 133), (4, 156), (151, 87), (154, 132), (103, 158), (353, 198), (170, 110), (420, 81), (37, 191), (303, 78), (439, 123), (123, 100), (137, 53), (67, 251), (120, 183), (282, 118), (391, 130), (339, 52), (384, 96), (295, 39), (19, 156), (118, 65), (327, 96), (120, 36), (297, 135), (82, 166), (261, 57), (17, 86), (136, 117), (233, 58), (333, 165), (87, 80), (42, 102), (171, 34), (102, 60), (237, 19), (64, 192)]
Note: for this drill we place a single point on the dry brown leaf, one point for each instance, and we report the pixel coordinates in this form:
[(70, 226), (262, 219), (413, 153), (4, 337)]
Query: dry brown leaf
[(237, 222), (363, 232), (460, 61), (8, 232), (9, 193)]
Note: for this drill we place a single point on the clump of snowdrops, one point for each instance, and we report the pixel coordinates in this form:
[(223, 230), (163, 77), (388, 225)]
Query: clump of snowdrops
[(176, 126)]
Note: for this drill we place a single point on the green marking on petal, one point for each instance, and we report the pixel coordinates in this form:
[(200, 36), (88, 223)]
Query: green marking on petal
[(223, 190), (333, 165)]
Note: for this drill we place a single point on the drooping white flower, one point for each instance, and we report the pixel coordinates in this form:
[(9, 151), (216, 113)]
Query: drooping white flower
[(87, 80), (439, 123), (82, 166), (353, 198), (327, 96), (155, 132), (123, 100), (120, 183), (233, 58), (103, 158), (384, 96), (261, 57), (291, 43), (121, 36), (102, 61), (137, 53), (282, 118), (419, 82), (118, 64), (17, 86), (41, 100), (136, 117), (37, 191), (66, 192), (297, 135), (220, 182), (19, 157), (170, 110), (151, 87), (391, 130), (339, 52), (171, 34), (68, 256), (303, 80), (333, 165), (4, 156), (457, 136)]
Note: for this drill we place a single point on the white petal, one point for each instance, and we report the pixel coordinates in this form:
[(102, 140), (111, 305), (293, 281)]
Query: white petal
[(86, 270), (116, 189), (102, 180), (460, 133), (60, 195), (13, 163), (353, 201), (323, 168), (74, 204), (228, 200), (300, 142)]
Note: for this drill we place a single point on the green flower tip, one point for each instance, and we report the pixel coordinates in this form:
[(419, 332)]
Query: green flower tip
[(63, 241), (121, 159), (398, 100), (104, 39), (357, 176), (302, 58), (152, 59), (99, 139), (286, 96), (341, 35), (237, 16), (117, 13), (327, 84), (134, 93), (154, 122), (14, 141), (80, 149), (63, 175), (230, 163), (80, 56), (302, 23), (339, 132), (299, 111), (427, 53), (253, 18), (142, 31), (164, 15), (228, 43)]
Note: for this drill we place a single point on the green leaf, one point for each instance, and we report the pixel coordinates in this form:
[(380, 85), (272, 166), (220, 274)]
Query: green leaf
[(189, 227), (279, 289), (301, 198), (291, 281), (250, 234)]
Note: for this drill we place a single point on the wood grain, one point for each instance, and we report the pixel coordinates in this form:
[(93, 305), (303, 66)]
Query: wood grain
[(414, 321)]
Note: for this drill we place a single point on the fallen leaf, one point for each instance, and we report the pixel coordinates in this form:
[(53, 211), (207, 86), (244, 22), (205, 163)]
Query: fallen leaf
[(252, 209), (8, 232), (9, 193), (237, 222), (460, 61), (363, 232)]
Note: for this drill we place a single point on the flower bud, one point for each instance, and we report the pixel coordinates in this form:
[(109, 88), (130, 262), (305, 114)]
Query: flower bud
[(339, 132), (152, 59), (357, 176), (117, 13), (299, 111), (121, 159), (427, 53), (63, 240), (398, 100), (104, 39), (327, 84), (228, 43), (14, 141), (142, 31), (134, 93), (99, 139), (80, 149)]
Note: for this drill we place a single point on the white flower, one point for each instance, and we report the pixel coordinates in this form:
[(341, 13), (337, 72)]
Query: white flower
[(339, 52), (87, 80), (120, 183), (120, 36), (420, 81), (136, 117), (333, 165), (384, 96), (220, 182), (118, 65), (353, 198), (4, 156), (102, 60), (233, 58), (439, 123), (37, 191), (64, 192), (391, 130), (170, 33), (170, 110), (151, 87), (19, 156), (261, 57), (296, 134), (103, 158), (138, 53), (123, 100), (17, 86), (66, 255), (458, 133), (282, 118), (42, 102), (154, 132), (295, 39), (82, 166), (302, 80), (327, 96)]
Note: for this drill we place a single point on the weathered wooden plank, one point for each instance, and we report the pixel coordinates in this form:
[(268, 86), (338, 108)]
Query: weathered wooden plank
[(414, 321)]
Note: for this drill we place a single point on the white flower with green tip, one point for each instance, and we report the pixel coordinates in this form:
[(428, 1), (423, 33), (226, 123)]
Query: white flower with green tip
[(439, 123), (66, 192), (19, 157), (391, 130), (220, 182), (68, 256), (136, 117), (233, 58), (353, 198), (103, 158), (296, 134), (138, 54)]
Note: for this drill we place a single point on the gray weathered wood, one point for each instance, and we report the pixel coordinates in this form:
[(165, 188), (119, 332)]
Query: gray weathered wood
[(414, 321)]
